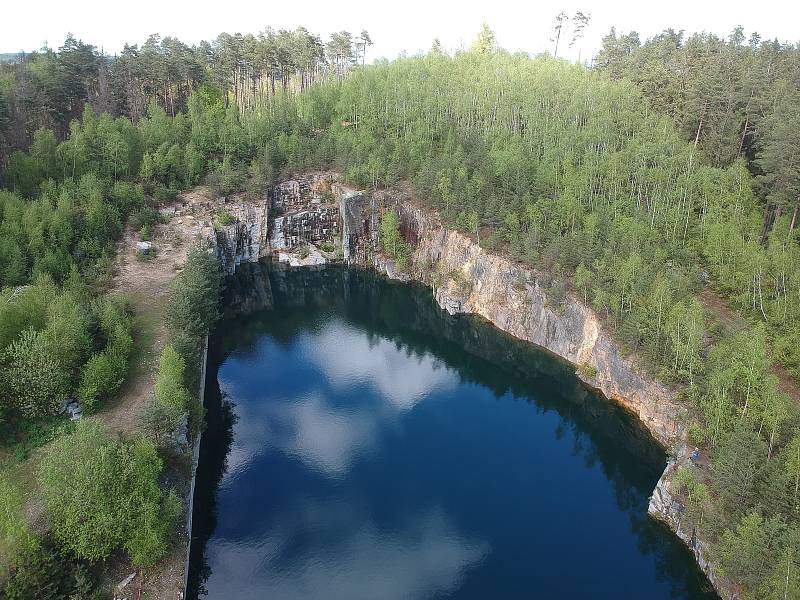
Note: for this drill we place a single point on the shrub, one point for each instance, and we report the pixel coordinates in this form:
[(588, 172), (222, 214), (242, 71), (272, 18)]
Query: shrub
[(392, 240), (101, 494), (105, 371), (224, 218), (226, 177), (194, 305), (98, 380), (146, 217), (35, 381), (587, 371), (170, 390), (171, 400), (188, 347), (15, 537), (44, 574)]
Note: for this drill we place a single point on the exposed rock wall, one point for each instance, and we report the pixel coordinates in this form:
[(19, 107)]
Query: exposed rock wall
[(246, 238), (306, 212), (467, 279), (665, 507)]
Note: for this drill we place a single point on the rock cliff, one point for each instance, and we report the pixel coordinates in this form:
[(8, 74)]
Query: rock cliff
[(667, 508), (245, 238), (467, 279)]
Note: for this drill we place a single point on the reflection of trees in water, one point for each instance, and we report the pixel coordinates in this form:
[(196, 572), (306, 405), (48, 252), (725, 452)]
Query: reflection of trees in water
[(602, 432), (214, 448)]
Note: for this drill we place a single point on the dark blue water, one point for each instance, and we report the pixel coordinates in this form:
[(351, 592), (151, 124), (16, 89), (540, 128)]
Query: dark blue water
[(363, 444)]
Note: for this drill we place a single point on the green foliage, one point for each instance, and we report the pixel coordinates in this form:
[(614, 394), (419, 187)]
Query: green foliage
[(628, 183), (44, 574), (392, 239), (171, 399), (587, 371), (697, 498), (737, 466), (16, 538), (747, 552), (102, 494), (145, 217), (194, 303), (226, 177), (223, 218), (105, 371), (34, 381)]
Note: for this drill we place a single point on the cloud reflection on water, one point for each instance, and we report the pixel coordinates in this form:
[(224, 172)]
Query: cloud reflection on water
[(311, 427), (424, 557)]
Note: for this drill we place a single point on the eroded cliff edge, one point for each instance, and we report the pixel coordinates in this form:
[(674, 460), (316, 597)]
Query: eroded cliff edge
[(317, 218)]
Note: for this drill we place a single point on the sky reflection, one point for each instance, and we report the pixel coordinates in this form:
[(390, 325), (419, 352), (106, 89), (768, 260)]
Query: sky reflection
[(425, 556), (315, 423)]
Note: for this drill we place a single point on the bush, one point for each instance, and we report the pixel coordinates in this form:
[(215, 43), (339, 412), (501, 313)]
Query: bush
[(392, 240), (15, 537), (44, 574), (101, 494), (146, 217), (224, 218), (105, 371), (170, 390), (171, 400), (587, 371), (159, 421), (188, 347), (99, 378), (226, 177), (194, 305), (36, 382)]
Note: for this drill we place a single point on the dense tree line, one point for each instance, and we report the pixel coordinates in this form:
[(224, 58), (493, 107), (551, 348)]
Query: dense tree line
[(192, 311), (732, 97), (49, 88)]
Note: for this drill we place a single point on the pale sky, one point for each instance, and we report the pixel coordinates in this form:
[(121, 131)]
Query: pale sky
[(395, 26)]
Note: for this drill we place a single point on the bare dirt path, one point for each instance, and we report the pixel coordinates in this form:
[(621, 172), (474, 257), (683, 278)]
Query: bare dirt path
[(146, 283)]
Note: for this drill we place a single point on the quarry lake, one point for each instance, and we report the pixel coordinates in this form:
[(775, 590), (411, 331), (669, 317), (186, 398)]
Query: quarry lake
[(364, 444)]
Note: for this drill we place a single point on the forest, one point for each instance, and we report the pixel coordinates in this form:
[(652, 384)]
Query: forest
[(658, 184)]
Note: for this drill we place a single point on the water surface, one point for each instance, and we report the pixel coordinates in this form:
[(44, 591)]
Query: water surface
[(363, 444)]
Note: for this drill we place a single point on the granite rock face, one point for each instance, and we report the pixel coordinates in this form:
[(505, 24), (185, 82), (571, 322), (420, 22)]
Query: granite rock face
[(245, 239), (306, 212), (666, 507), (467, 279)]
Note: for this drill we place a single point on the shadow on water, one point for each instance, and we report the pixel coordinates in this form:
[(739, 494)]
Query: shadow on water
[(600, 432)]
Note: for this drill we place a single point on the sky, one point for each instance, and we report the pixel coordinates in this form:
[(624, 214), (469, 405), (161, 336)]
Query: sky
[(395, 27)]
